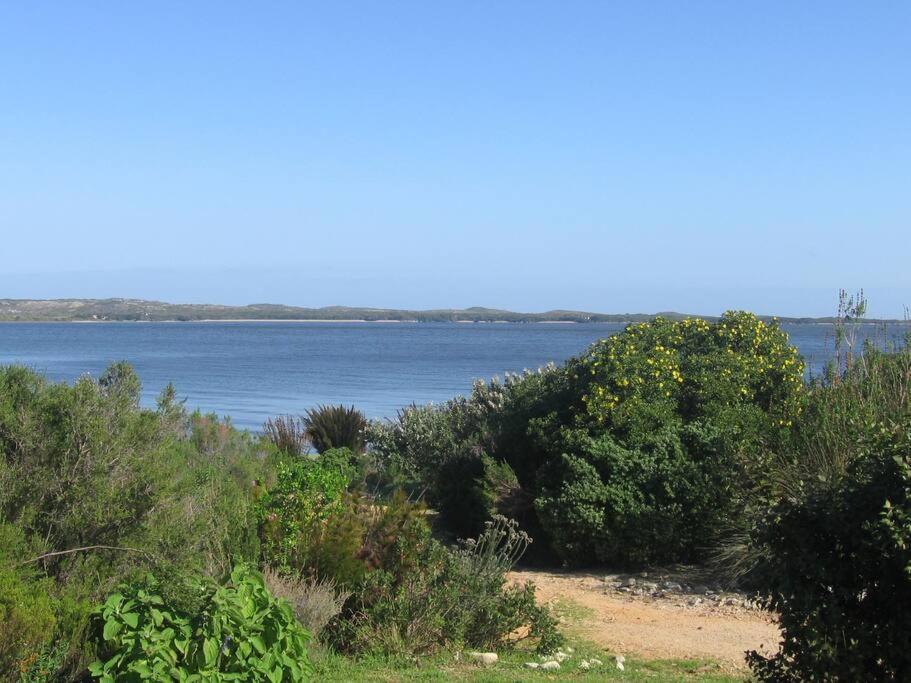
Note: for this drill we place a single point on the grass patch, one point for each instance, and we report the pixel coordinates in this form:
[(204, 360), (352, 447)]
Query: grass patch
[(511, 669), (569, 611)]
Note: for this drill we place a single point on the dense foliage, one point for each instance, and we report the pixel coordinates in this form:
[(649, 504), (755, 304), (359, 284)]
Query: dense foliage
[(132, 540), (409, 594), (94, 489), (152, 514), (306, 500), (639, 450), (832, 549), (424, 596)]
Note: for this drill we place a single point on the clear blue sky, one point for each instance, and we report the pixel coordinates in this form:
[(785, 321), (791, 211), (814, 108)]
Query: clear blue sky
[(607, 156)]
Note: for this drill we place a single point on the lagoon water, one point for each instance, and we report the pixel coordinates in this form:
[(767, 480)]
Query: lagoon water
[(253, 370)]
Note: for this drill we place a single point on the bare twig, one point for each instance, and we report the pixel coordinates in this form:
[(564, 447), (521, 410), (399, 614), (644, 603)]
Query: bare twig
[(83, 549)]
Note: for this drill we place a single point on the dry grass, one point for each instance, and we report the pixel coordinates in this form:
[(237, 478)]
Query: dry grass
[(315, 602)]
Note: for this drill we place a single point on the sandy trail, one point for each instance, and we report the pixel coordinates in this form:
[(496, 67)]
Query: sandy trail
[(653, 628)]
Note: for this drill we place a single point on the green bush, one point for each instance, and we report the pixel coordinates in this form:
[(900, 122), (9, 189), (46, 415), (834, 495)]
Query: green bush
[(27, 623), (233, 632), (693, 368), (439, 450), (103, 490), (425, 597), (836, 567), (645, 448), (83, 466), (74, 469), (462, 495), (827, 543), (416, 442), (308, 493)]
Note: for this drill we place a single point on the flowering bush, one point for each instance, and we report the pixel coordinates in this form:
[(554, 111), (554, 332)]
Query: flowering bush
[(640, 449), (676, 417), (692, 368)]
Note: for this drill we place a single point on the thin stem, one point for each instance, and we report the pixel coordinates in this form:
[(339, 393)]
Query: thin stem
[(85, 548)]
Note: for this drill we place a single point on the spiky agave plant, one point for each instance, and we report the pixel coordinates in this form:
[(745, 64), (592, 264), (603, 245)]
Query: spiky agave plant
[(336, 427)]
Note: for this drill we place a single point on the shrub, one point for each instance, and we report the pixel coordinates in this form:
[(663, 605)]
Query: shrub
[(287, 434), (677, 423), (336, 427), (385, 524), (836, 566), (355, 536), (83, 466), (840, 406), (315, 601), (27, 623), (75, 462), (643, 449), (426, 597), (234, 632), (574, 510), (420, 439), (307, 493), (693, 368), (469, 489), (462, 495)]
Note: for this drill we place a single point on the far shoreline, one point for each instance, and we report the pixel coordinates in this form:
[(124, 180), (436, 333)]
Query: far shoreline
[(350, 321), (318, 320)]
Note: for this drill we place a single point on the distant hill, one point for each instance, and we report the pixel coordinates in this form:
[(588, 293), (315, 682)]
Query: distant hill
[(73, 310)]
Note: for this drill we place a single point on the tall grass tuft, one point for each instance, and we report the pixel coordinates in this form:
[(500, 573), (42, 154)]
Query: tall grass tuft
[(336, 427), (287, 434)]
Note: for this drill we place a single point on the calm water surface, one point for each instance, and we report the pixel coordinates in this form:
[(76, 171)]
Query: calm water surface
[(251, 371)]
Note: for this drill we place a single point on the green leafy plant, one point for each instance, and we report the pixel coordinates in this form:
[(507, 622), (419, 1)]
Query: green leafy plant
[(100, 490), (645, 448), (307, 493), (44, 665), (237, 632)]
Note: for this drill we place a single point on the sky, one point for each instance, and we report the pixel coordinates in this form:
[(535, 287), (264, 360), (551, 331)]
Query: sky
[(603, 156)]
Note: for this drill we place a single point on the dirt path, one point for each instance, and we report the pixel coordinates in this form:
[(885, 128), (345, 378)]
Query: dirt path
[(672, 626)]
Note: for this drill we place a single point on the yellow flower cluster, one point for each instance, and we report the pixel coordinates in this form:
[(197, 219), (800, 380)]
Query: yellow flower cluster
[(737, 358)]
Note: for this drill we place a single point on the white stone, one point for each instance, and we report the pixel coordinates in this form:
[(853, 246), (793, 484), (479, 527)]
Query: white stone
[(596, 662), (551, 665), (532, 665), (485, 658), (619, 659), (561, 656), (584, 664)]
